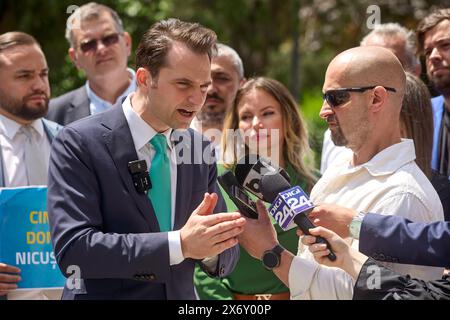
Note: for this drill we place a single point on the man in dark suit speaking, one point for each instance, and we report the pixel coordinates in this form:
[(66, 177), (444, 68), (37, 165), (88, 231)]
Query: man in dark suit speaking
[(127, 243)]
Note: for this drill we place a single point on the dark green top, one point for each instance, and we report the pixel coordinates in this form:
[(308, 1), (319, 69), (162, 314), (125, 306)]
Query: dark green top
[(249, 276)]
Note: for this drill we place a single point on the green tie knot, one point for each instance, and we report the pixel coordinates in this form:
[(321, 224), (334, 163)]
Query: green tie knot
[(159, 142)]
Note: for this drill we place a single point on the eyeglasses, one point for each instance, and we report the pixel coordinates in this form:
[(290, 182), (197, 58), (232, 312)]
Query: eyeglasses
[(91, 45), (336, 97)]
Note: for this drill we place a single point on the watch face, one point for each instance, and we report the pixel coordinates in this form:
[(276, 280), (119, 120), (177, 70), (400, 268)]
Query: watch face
[(270, 260)]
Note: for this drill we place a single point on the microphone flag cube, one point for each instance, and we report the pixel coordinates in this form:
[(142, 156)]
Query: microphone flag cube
[(289, 204)]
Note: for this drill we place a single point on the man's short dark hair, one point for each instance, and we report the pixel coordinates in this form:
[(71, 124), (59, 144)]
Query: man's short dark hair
[(156, 42), (428, 23)]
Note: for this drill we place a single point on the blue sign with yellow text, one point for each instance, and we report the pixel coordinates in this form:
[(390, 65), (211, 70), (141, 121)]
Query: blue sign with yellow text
[(25, 237)]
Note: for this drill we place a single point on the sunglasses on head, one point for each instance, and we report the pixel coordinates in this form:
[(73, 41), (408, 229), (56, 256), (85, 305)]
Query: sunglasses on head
[(336, 97), (91, 45)]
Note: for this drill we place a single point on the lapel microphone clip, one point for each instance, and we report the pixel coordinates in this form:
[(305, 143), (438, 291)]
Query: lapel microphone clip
[(139, 174)]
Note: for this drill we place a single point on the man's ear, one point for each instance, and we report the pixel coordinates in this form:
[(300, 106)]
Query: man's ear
[(144, 79), (242, 81), (73, 57), (128, 42), (379, 98)]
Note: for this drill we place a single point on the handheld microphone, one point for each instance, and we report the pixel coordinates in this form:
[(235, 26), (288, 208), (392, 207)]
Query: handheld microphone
[(289, 205), (238, 195), (251, 168)]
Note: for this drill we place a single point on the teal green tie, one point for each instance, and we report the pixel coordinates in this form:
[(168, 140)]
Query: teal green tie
[(160, 193)]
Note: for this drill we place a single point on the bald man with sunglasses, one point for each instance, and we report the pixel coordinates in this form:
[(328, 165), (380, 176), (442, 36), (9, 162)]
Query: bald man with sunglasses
[(363, 93)]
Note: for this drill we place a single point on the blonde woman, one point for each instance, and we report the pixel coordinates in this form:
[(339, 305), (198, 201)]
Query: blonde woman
[(264, 120)]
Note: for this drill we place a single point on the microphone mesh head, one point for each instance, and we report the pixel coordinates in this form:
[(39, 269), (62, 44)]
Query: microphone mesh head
[(272, 184)]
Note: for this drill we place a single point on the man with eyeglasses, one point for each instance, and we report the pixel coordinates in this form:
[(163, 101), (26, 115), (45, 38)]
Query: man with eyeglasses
[(100, 47), (363, 93), (433, 34)]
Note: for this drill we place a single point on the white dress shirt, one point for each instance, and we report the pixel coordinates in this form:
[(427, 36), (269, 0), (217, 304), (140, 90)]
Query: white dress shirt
[(331, 152), (12, 143), (142, 133), (390, 183)]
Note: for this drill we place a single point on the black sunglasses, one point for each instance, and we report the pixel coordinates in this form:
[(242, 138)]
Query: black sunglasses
[(91, 45), (336, 97)]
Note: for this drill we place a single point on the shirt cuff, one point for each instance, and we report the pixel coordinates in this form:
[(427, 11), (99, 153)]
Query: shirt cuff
[(301, 275), (175, 252)]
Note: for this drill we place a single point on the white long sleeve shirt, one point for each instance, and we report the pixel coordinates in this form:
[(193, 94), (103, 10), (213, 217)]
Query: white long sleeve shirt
[(390, 183)]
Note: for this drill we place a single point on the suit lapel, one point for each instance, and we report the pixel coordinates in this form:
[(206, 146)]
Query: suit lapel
[(122, 150), (51, 129), (183, 195), (80, 106), (184, 177)]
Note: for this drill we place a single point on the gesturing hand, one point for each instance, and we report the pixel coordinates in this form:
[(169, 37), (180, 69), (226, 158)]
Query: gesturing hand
[(206, 234)]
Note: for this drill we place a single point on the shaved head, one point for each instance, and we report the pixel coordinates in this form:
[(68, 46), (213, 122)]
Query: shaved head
[(371, 116), (369, 66)]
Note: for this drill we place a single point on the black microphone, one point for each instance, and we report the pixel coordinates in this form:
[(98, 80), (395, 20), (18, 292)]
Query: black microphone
[(238, 195), (251, 168), (139, 175), (289, 204)]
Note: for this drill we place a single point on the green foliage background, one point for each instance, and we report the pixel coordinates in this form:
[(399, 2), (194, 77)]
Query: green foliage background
[(266, 33)]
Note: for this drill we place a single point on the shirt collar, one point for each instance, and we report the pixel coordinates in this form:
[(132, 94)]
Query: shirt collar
[(10, 127), (141, 132), (390, 159), (101, 105), (196, 124)]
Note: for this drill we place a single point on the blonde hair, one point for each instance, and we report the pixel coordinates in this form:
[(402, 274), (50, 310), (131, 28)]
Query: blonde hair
[(296, 149)]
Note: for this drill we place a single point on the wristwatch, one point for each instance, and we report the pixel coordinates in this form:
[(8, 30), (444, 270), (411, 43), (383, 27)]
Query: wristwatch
[(354, 227), (272, 258)]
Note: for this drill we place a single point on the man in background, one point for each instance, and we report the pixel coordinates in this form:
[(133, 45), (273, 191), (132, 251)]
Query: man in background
[(227, 75), (433, 34), (100, 47), (25, 137)]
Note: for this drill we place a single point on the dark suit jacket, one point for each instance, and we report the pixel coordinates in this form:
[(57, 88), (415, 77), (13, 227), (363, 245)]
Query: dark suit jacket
[(69, 107), (392, 286), (395, 239), (50, 128), (100, 223), (442, 186)]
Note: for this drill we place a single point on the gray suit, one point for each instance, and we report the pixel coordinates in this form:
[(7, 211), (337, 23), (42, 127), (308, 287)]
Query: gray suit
[(99, 222), (69, 107), (51, 129)]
